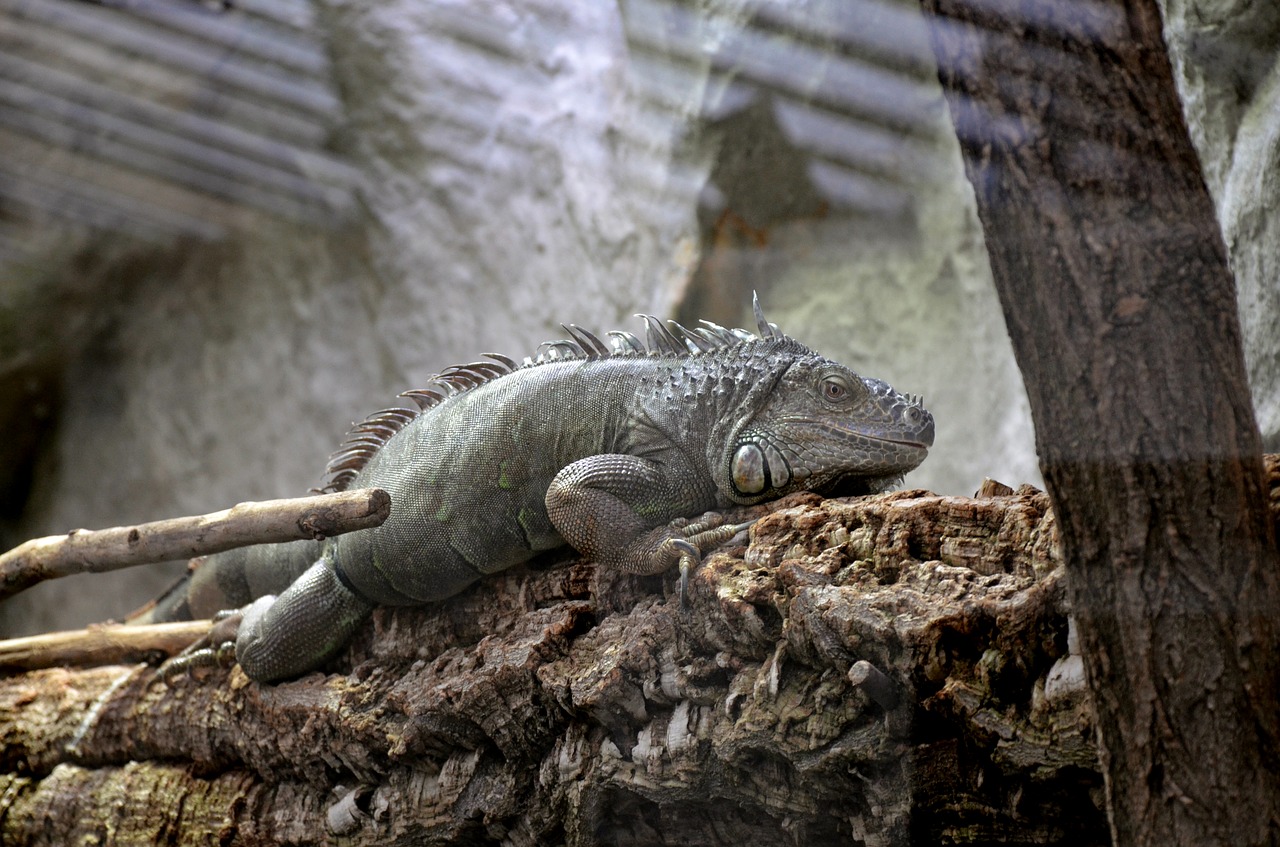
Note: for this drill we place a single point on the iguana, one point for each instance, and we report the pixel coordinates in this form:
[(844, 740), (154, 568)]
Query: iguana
[(609, 448)]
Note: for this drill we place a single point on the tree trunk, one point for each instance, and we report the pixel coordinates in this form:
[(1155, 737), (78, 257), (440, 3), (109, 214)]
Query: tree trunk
[(1118, 297)]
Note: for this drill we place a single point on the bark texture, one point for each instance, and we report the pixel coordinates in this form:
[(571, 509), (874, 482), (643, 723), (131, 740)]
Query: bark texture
[(897, 669), (885, 670), (1116, 290)]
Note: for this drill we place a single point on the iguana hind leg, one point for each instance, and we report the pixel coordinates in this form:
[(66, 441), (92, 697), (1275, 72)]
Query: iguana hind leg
[(282, 637), (309, 622)]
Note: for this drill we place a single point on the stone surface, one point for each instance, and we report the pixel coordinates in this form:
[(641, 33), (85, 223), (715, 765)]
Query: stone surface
[(1226, 56), (532, 163)]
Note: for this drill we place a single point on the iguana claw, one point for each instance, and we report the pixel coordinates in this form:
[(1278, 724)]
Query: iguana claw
[(690, 556), (216, 649), (691, 550)]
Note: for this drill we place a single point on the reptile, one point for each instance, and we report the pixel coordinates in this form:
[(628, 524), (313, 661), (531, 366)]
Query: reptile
[(628, 451)]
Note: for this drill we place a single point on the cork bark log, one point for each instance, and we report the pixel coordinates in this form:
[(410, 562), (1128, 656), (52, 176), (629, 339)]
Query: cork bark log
[(885, 670)]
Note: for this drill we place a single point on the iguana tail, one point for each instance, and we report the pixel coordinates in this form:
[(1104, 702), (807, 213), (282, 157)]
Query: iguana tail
[(230, 580)]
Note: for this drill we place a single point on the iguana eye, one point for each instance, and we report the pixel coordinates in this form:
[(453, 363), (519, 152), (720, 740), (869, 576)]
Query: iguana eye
[(835, 389)]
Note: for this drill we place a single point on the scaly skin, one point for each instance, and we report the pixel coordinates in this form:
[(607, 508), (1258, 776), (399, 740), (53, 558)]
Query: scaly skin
[(598, 449)]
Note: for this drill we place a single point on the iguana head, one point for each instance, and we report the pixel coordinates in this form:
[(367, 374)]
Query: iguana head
[(821, 427), (807, 423)]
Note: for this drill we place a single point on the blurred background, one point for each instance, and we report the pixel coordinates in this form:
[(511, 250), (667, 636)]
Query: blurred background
[(228, 230)]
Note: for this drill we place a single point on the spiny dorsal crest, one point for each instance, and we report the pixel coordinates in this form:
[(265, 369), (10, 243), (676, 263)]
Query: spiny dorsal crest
[(668, 339)]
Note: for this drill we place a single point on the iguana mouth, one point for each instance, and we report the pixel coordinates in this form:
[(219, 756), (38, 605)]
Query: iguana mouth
[(922, 446), (884, 440)]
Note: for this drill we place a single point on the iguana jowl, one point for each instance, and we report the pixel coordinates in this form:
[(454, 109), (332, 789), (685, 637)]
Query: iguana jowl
[(598, 446)]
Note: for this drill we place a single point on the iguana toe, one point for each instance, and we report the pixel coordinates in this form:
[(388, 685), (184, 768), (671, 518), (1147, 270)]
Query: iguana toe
[(692, 547), (216, 649)]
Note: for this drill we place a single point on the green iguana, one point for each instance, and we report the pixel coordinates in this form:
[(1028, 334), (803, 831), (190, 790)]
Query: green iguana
[(603, 447)]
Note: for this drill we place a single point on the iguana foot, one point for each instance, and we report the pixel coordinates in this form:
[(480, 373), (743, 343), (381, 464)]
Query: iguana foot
[(702, 535), (217, 648), (196, 658)]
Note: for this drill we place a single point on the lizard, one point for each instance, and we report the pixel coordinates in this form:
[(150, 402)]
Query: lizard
[(611, 448)]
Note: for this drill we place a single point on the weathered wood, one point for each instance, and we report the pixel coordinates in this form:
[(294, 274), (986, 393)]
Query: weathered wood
[(570, 705), (576, 706), (94, 551), (100, 645)]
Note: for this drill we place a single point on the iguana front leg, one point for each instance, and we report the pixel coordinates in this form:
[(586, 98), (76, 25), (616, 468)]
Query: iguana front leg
[(286, 636), (606, 507)]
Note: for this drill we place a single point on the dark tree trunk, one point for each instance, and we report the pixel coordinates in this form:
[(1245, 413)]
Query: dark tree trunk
[(1118, 297)]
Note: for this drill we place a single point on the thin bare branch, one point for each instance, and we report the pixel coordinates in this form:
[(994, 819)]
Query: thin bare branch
[(99, 645), (271, 521)]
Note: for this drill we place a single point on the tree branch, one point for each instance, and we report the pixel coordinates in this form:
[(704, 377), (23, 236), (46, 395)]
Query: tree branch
[(94, 551), (1119, 300), (100, 645)]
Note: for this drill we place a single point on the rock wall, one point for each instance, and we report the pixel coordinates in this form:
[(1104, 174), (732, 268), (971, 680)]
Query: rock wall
[(1226, 56), (532, 163)]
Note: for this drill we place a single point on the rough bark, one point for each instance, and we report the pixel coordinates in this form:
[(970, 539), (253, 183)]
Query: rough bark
[(1121, 307), (574, 706), (570, 705)]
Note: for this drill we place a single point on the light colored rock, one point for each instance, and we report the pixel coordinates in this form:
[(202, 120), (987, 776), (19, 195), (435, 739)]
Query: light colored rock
[(1226, 58), (532, 163)]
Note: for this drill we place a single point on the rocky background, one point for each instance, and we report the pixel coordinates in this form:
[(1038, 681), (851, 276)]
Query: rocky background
[(524, 164)]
